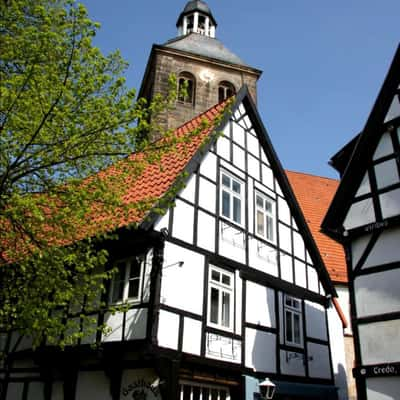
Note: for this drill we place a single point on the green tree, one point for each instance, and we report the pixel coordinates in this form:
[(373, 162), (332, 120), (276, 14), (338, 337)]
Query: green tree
[(66, 116)]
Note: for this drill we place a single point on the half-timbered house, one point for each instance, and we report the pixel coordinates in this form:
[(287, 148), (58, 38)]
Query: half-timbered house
[(225, 290), (364, 215)]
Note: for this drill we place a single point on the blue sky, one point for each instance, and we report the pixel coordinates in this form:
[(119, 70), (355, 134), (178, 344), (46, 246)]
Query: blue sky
[(323, 62)]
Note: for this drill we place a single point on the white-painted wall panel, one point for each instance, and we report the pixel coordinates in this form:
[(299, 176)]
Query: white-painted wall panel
[(146, 278), (238, 302), (208, 166), (191, 336), (394, 109), (252, 145), (278, 188), (292, 363), (238, 133), (263, 257), (57, 392), (207, 195), (250, 205), (136, 324), (384, 147), (239, 157), (260, 352), (359, 214), (15, 390), (285, 238), (358, 247), (386, 173), (183, 221), (378, 293), (387, 388), (364, 186), (267, 176), (93, 385), (390, 203), (224, 148), (232, 243), (35, 391), (386, 349), (283, 211), (264, 157), (312, 279), (162, 222), (298, 245), (206, 231), (188, 277), (229, 167), (318, 361), (286, 267), (115, 323), (188, 192), (260, 305), (168, 330), (386, 249), (344, 302), (315, 321), (300, 273), (253, 166)]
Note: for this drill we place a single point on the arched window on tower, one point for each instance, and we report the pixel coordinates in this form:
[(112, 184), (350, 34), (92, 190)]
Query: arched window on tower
[(225, 90), (186, 88)]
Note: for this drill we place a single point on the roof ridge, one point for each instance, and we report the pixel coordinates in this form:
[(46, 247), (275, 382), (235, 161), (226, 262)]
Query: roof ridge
[(312, 175)]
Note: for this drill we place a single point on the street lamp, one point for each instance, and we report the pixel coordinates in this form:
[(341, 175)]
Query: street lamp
[(267, 389)]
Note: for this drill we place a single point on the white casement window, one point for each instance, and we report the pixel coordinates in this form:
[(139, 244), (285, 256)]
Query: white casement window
[(197, 391), (231, 198), (220, 298), (127, 281), (293, 321), (265, 217)]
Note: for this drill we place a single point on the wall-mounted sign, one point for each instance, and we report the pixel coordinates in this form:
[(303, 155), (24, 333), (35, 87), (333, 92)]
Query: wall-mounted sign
[(140, 384), (390, 369)]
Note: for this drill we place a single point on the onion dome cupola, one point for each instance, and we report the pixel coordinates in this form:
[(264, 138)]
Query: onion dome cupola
[(196, 17)]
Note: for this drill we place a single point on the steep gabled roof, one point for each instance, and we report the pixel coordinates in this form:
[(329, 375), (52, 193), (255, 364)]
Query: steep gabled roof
[(314, 194), (363, 151)]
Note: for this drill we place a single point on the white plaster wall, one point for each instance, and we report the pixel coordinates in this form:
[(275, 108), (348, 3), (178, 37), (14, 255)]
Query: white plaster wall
[(344, 302), (191, 336), (239, 157), (162, 222), (206, 231), (136, 323), (285, 240), (223, 147), (207, 193), (283, 211), (57, 392), (253, 166), (238, 133), (298, 245), (358, 247), (93, 385), (359, 214), (114, 322), (364, 186), (183, 221), (14, 391), (208, 166), (231, 243), (263, 257), (188, 278), (338, 353), (300, 273), (313, 281), (378, 293), (292, 363), (385, 250), (286, 267), (386, 349), (260, 305), (35, 391), (253, 145), (386, 173), (188, 192), (315, 320), (267, 176), (264, 157), (390, 203), (168, 330), (260, 351), (384, 147), (318, 361), (238, 302), (394, 109), (387, 388)]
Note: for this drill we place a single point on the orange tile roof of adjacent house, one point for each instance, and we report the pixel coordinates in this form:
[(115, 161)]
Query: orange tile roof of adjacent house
[(314, 194)]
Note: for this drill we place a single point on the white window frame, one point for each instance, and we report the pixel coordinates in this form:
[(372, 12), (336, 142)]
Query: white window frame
[(292, 308), (128, 262), (265, 215), (201, 387), (223, 289), (232, 196)]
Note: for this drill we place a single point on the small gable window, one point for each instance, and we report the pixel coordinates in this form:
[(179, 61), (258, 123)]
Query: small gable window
[(293, 321), (265, 217), (127, 281), (231, 198), (225, 90), (186, 88)]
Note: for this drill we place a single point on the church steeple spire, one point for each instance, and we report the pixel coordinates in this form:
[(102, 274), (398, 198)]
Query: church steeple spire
[(196, 17)]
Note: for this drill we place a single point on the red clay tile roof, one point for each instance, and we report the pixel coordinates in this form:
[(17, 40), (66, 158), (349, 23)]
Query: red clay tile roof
[(314, 194)]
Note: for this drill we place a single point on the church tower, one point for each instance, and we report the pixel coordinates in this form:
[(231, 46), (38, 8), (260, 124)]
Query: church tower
[(203, 66)]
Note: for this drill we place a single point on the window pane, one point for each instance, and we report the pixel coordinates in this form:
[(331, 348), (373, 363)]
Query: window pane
[(226, 279), (289, 330), (270, 228), (235, 186), (226, 206), (221, 94), (215, 275), (296, 323), (226, 181), (225, 309), (117, 291), (260, 223), (268, 206), (135, 268), (133, 292), (236, 210), (260, 201), (214, 306)]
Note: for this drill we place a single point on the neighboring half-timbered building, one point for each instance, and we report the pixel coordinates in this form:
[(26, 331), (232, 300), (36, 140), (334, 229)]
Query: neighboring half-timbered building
[(224, 290), (365, 216)]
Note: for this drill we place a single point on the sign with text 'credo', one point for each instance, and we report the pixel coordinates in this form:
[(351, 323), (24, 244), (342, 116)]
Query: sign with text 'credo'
[(140, 384)]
